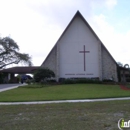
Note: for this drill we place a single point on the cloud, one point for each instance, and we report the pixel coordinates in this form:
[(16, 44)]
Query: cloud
[(110, 3), (36, 25), (117, 43)]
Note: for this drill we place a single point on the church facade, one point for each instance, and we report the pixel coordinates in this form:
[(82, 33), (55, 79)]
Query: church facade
[(79, 53)]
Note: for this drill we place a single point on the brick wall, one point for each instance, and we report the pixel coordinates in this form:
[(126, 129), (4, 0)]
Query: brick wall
[(109, 67)]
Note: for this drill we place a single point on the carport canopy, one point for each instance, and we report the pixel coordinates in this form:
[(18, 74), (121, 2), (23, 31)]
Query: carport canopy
[(20, 69)]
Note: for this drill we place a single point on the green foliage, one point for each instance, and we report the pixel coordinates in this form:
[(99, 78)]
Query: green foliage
[(9, 53), (42, 74), (120, 64), (118, 74), (108, 80), (14, 80), (80, 80), (28, 81), (1, 77), (19, 78)]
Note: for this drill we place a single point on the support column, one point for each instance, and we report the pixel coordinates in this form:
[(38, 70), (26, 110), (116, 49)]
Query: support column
[(9, 76)]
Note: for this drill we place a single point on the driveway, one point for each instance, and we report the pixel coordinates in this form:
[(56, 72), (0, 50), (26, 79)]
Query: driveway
[(4, 87)]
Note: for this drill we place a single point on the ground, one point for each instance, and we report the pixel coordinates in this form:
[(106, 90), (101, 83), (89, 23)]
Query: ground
[(64, 116), (63, 92)]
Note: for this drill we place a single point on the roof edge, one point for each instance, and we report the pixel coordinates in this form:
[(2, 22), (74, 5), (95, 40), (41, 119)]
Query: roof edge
[(80, 15)]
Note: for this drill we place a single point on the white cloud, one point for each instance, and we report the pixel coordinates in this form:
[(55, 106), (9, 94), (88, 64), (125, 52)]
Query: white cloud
[(111, 3), (102, 4), (117, 43), (36, 25)]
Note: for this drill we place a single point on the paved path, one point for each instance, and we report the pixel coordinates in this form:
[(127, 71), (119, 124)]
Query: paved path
[(64, 101), (4, 87)]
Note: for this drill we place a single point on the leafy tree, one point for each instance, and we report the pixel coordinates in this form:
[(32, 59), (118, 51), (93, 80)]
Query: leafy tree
[(43, 73), (126, 66), (120, 64), (1, 77), (9, 53)]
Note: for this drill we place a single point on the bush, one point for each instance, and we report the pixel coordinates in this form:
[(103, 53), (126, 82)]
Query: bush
[(43, 74), (28, 81), (1, 78), (108, 80), (78, 80), (14, 80), (69, 81), (51, 81), (89, 81)]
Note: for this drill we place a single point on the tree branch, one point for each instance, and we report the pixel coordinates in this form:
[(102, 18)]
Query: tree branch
[(9, 53), (15, 62)]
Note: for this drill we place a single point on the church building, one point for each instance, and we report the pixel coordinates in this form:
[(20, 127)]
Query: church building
[(79, 53)]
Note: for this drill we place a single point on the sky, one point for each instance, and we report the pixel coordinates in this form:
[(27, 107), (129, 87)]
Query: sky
[(36, 25)]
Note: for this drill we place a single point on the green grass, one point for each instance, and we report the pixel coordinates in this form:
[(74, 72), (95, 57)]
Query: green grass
[(66, 116), (61, 92)]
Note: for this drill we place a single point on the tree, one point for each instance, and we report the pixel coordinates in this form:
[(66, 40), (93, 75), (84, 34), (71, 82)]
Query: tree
[(126, 66), (120, 64), (9, 53), (43, 73)]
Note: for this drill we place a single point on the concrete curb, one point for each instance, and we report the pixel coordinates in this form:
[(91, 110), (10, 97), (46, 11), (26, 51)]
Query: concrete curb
[(63, 101)]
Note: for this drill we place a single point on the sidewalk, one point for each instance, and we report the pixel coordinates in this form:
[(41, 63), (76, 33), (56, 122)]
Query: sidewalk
[(64, 101), (12, 87)]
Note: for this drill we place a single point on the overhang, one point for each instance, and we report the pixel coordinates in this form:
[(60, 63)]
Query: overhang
[(20, 70)]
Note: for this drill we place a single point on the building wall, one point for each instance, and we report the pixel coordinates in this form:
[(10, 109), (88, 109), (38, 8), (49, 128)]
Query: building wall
[(71, 61), (100, 60), (109, 67), (66, 60), (51, 61)]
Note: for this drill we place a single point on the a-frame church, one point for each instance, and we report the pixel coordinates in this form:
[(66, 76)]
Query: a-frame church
[(79, 53)]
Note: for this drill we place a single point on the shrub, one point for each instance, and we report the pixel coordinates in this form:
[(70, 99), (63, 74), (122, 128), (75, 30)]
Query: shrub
[(28, 81), (14, 80), (1, 78), (43, 74), (69, 81), (108, 80), (78, 80)]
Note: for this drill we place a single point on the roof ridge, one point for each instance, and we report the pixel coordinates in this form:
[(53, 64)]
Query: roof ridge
[(87, 24)]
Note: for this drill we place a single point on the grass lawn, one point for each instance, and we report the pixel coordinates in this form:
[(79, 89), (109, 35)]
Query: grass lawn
[(61, 92), (66, 116)]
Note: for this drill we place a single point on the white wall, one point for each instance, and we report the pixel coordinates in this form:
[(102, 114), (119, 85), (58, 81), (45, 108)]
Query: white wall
[(71, 62)]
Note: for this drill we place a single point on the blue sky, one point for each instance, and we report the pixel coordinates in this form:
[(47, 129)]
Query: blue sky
[(118, 17), (36, 25)]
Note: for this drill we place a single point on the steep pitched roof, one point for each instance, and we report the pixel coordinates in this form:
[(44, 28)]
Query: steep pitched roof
[(80, 15)]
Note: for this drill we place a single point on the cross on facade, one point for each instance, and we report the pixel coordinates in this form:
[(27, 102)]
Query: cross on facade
[(84, 52)]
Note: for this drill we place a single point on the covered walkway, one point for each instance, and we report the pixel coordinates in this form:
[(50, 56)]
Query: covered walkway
[(10, 72)]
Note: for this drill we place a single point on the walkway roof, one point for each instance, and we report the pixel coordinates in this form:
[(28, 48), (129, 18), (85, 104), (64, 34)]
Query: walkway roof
[(20, 69)]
